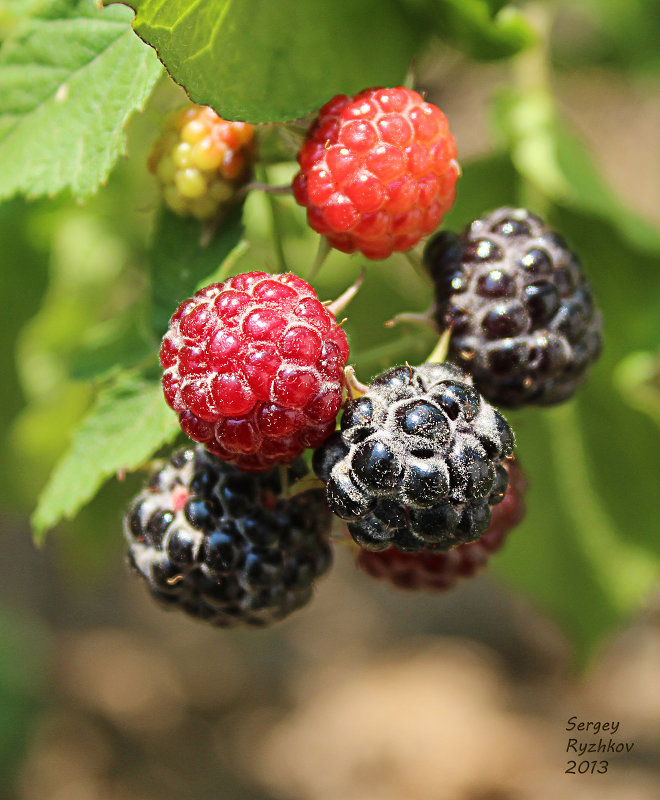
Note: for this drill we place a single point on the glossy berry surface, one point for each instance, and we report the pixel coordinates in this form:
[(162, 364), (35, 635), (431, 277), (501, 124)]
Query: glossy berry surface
[(418, 461), (377, 171), (200, 160), (523, 317), (224, 546), (254, 368), (439, 571)]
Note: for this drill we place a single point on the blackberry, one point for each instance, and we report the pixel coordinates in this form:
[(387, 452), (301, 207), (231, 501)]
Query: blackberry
[(437, 572), (523, 317), (226, 546), (417, 462)]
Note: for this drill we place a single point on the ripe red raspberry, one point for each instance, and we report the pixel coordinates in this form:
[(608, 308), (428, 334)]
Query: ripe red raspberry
[(440, 571), (254, 369), (377, 171), (200, 160)]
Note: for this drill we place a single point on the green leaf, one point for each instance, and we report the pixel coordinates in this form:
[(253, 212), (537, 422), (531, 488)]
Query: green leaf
[(485, 183), (589, 550), (127, 424), (485, 30), (118, 343), (262, 62), (71, 76), (570, 555), (549, 155), (637, 378), (183, 258)]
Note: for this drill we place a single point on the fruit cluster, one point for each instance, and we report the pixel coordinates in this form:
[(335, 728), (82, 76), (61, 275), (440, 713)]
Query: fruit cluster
[(421, 468), (200, 161)]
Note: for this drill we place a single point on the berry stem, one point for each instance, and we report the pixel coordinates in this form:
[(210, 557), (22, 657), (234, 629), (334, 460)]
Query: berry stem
[(355, 387), (388, 353), (319, 259), (276, 228), (424, 318), (416, 263), (439, 353), (227, 265), (260, 186), (303, 485), (531, 75), (338, 305), (411, 76)]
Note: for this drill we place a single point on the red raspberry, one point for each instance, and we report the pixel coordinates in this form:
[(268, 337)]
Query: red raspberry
[(254, 369), (440, 571), (377, 171)]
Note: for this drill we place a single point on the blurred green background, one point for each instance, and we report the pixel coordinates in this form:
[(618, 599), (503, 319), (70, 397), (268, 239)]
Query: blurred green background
[(369, 692)]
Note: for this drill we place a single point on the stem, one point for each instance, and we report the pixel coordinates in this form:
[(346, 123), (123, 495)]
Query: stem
[(304, 485), (439, 353), (417, 264), (276, 227), (345, 298), (355, 387), (424, 319), (321, 255), (531, 74), (388, 352), (268, 188)]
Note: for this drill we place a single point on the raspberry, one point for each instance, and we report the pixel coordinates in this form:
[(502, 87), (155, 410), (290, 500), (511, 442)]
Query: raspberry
[(524, 322), (200, 160), (254, 368), (418, 461), (377, 171), (224, 546), (441, 571)]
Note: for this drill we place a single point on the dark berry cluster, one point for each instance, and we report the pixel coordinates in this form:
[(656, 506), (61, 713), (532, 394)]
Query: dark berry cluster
[(522, 315), (439, 571), (418, 461), (226, 546)]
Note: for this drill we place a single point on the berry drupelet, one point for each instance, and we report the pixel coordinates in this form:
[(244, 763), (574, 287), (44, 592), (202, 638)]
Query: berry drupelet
[(522, 315), (377, 171), (254, 367), (417, 462), (439, 571), (200, 161), (225, 546)]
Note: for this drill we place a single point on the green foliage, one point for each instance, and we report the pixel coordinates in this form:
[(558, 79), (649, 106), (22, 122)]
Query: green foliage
[(557, 164), (183, 254), (250, 62), (23, 682), (485, 30), (126, 425), (20, 256), (71, 77), (272, 61)]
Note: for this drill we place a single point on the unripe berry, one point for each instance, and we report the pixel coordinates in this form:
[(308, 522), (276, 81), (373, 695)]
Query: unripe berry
[(200, 161)]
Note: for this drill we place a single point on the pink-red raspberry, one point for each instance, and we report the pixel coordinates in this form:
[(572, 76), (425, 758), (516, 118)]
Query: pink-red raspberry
[(441, 571), (254, 367), (377, 171)]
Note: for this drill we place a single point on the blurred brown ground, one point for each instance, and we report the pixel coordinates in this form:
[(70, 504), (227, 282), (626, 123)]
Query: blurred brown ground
[(368, 693)]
